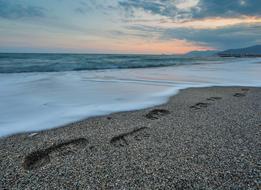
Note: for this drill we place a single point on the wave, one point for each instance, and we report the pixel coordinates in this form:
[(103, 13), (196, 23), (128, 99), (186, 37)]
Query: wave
[(42, 100), (24, 63)]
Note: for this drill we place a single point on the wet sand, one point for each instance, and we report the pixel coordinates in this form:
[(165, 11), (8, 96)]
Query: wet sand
[(203, 138)]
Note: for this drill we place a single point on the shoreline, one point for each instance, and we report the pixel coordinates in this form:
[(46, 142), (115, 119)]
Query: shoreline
[(75, 96), (194, 141), (166, 100)]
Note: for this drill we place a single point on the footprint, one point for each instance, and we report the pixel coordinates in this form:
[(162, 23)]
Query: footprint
[(199, 105), (245, 89), (244, 92), (157, 113), (214, 98), (238, 95), (141, 136), (125, 138), (40, 158)]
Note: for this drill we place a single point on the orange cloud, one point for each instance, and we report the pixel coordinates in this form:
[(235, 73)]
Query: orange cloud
[(207, 23), (217, 22), (106, 45), (160, 47), (141, 46)]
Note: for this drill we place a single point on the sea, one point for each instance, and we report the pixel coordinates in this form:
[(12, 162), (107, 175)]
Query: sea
[(43, 91)]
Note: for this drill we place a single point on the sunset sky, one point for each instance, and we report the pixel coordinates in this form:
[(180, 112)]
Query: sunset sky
[(128, 26)]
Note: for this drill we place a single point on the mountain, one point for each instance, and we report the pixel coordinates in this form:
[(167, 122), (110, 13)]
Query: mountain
[(253, 51), (201, 53)]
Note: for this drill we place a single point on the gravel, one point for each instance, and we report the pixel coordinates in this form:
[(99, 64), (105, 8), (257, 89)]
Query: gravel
[(203, 138)]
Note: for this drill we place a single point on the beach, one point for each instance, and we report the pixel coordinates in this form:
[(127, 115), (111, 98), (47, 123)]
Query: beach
[(130, 95), (202, 138)]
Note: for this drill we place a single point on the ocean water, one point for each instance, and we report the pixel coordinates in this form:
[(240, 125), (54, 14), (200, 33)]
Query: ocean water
[(42, 91), (21, 63)]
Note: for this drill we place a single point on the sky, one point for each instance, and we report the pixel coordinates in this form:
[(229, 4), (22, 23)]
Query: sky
[(128, 26)]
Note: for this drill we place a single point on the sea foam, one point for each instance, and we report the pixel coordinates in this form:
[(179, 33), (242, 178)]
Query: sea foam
[(42, 100)]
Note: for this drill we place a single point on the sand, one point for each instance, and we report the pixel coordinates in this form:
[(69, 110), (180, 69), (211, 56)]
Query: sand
[(203, 138)]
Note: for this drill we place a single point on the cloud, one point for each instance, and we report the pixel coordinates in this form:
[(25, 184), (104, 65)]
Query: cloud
[(241, 35), (215, 23), (227, 8), (10, 9), (206, 23), (194, 9), (86, 6), (160, 7), (222, 38)]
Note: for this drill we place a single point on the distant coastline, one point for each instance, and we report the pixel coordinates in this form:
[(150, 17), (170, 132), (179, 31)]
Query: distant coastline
[(253, 51), (239, 55)]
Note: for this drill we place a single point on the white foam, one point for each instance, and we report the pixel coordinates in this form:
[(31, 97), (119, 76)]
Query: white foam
[(37, 101)]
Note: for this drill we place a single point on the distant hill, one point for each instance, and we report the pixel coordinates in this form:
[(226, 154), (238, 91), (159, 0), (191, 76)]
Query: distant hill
[(253, 51), (201, 53)]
